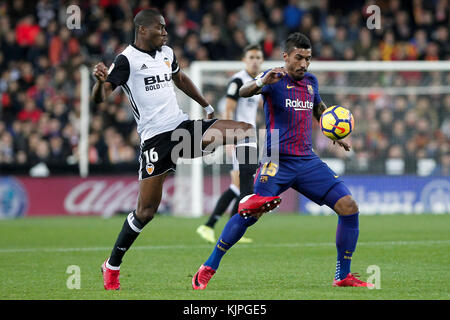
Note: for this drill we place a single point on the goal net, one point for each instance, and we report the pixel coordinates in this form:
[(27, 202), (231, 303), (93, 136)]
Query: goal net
[(402, 123)]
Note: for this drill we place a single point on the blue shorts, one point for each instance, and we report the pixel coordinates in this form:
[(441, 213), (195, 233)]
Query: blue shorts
[(308, 175)]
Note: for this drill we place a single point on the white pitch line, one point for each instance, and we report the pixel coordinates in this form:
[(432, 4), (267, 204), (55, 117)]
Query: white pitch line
[(246, 246)]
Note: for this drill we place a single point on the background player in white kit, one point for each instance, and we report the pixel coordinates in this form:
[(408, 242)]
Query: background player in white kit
[(145, 71), (239, 109)]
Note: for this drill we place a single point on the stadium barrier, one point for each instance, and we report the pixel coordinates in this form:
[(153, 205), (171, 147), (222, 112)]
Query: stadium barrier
[(101, 195), (109, 195), (392, 194)]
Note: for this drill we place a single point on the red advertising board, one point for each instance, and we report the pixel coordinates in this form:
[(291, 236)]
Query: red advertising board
[(103, 195)]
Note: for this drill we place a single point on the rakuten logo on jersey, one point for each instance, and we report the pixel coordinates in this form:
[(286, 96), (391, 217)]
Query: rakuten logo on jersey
[(299, 105), (157, 82)]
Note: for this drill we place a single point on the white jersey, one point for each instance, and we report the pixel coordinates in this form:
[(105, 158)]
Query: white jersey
[(146, 78), (246, 108)]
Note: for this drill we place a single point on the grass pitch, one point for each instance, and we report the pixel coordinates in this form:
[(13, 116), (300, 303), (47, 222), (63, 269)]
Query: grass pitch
[(292, 257)]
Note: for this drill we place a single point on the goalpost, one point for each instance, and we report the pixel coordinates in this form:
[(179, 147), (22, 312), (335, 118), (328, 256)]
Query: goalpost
[(83, 147), (375, 79)]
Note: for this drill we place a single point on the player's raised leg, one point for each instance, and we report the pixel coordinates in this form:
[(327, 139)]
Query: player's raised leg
[(150, 192), (340, 199), (244, 136), (224, 132)]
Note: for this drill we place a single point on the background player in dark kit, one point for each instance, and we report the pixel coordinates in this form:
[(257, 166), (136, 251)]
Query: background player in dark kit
[(239, 109)]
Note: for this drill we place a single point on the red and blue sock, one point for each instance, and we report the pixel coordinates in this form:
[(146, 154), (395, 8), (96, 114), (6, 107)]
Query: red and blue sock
[(232, 232), (347, 233)]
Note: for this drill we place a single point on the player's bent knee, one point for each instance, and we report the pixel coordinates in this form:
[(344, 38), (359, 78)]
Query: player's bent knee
[(244, 129), (145, 215), (346, 206), (248, 126), (352, 206)]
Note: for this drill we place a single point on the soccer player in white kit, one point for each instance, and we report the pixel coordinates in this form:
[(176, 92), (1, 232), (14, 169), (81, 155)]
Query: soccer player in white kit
[(239, 109), (146, 70)]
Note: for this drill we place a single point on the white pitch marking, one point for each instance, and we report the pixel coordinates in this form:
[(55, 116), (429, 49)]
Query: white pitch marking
[(247, 246)]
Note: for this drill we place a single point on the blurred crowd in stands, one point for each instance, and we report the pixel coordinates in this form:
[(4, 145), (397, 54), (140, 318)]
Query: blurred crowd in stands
[(40, 78)]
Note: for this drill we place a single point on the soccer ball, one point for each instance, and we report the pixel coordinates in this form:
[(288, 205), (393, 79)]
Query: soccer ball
[(336, 122)]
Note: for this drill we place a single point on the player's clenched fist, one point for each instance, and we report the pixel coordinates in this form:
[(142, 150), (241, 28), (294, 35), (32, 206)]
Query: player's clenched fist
[(100, 72), (274, 75)]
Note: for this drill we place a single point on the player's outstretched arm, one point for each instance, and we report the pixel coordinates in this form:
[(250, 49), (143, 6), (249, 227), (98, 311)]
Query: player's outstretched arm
[(185, 84), (254, 87), (343, 144), (101, 89)]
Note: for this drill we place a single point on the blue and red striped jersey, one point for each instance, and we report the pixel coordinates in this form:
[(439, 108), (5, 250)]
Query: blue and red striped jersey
[(288, 107)]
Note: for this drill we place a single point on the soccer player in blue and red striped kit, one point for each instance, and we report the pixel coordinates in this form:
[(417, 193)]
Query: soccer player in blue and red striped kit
[(291, 101)]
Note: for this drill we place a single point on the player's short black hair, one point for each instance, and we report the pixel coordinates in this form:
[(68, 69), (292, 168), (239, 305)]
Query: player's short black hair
[(297, 40), (252, 47), (146, 17)]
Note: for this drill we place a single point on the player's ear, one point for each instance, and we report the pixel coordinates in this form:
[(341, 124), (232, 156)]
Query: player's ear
[(285, 56), (141, 30)]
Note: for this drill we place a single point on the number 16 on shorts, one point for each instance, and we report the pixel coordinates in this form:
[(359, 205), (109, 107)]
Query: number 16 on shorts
[(150, 156)]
